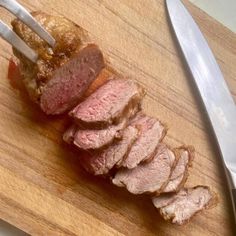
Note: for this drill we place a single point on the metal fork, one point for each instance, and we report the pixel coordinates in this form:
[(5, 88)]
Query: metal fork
[(11, 37)]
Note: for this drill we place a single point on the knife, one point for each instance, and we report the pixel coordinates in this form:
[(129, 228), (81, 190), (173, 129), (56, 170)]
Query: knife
[(212, 87)]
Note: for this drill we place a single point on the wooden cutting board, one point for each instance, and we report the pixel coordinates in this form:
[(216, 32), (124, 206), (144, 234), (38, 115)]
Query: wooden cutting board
[(43, 190)]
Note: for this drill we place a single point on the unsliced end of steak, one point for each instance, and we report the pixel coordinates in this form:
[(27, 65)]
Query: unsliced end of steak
[(87, 139), (109, 104), (63, 73), (101, 162), (180, 172), (152, 131), (186, 204), (71, 80), (149, 177)]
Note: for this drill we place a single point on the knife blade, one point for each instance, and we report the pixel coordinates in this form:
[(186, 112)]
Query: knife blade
[(212, 87)]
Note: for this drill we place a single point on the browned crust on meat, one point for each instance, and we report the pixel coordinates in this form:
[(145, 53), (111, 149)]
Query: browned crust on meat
[(69, 39), (212, 203)]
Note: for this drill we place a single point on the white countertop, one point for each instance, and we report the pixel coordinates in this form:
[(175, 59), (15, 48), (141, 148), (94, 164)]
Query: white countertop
[(222, 10)]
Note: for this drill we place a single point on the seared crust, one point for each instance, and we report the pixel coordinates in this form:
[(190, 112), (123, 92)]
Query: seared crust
[(69, 39)]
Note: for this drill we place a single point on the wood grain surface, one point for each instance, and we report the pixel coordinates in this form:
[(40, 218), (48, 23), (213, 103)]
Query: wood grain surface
[(43, 190)]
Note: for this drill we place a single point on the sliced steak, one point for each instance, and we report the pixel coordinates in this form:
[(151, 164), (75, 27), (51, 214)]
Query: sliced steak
[(101, 162), (61, 74), (149, 177), (152, 131), (87, 139), (116, 99), (180, 172), (186, 203)]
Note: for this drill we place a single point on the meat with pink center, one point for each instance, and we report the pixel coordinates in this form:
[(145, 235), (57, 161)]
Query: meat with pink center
[(109, 104), (149, 177), (152, 131), (101, 162)]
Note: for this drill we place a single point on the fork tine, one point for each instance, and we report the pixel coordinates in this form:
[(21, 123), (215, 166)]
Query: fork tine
[(11, 37), (21, 13)]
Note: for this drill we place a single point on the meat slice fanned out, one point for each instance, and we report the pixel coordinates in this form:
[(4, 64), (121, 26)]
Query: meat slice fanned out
[(101, 162), (185, 204), (149, 177), (152, 131), (180, 172), (61, 74), (109, 104), (87, 139)]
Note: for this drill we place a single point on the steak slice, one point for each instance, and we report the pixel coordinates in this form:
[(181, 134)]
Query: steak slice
[(61, 74), (96, 139), (101, 162), (149, 177), (185, 204), (109, 104), (180, 172), (87, 139), (152, 131)]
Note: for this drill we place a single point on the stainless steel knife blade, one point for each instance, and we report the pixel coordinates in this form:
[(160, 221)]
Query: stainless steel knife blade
[(212, 87)]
